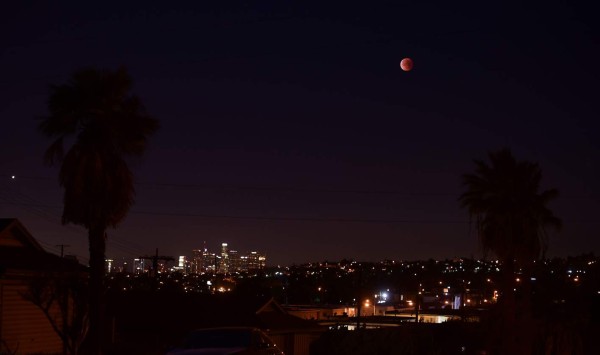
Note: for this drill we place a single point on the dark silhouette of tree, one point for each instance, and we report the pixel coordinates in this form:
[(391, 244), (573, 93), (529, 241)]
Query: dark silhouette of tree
[(108, 125), (63, 299), (5, 349), (511, 216)]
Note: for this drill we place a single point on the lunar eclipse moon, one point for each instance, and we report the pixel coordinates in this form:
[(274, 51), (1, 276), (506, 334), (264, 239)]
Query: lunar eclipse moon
[(406, 64)]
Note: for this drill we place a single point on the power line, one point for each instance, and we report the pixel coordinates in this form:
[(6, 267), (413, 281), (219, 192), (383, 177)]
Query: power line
[(312, 219), (298, 219), (62, 249), (287, 189), (271, 218), (18, 198), (182, 186), (160, 185)]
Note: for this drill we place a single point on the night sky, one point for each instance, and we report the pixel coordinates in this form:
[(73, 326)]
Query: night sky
[(289, 128)]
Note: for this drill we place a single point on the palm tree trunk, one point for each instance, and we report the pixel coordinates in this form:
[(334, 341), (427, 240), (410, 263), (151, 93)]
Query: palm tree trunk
[(524, 309), (97, 245), (506, 325)]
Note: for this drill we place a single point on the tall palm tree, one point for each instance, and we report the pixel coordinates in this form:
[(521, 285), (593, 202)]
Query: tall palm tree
[(512, 218), (107, 124), (510, 211)]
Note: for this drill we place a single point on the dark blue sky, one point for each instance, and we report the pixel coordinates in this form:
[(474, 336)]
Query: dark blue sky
[(289, 127)]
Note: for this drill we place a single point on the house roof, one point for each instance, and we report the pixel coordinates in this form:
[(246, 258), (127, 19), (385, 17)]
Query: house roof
[(5, 222), (13, 231), (183, 312), (284, 321), (26, 259), (19, 251)]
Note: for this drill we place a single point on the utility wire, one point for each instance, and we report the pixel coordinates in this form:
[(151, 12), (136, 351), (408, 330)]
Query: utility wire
[(181, 186), (159, 185), (299, 219), (271, 218), (33, 206), (309, 219), (274, 218)]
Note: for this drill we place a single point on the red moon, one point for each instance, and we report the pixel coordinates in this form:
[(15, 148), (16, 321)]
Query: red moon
[(406, 64)]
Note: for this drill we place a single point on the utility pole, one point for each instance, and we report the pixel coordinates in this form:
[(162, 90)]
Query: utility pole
[(62, 249), (359, 296), (418, 303), (155, 258)]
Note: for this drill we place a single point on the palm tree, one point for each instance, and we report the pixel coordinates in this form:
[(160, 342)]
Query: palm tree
[(512, 217), (108, 125), (511, 214)]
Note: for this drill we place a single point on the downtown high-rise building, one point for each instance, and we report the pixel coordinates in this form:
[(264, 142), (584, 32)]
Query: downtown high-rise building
[(256, 261), (224, 262), (182, 265), (203, 262), (243, 263), (109, 265), (234, 261), (139, 266)]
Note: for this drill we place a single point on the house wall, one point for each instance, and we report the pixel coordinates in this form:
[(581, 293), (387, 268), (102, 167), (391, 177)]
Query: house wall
[(302, 342), (23, 326), (8, 238), (305, 313), (293, 343), (283, 341), (320, 313)]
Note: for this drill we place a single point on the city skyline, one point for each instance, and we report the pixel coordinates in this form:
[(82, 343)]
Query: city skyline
[(197, 261), (291, 126)]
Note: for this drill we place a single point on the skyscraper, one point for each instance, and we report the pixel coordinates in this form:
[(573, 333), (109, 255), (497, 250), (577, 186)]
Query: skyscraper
[(234, 261), (203, 261), (224, 263), (256, 261), (109, 265), (243, 263), (182, 265), (139, 266)]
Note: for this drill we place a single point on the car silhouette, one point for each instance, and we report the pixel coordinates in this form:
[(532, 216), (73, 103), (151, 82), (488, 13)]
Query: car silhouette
[(227, 340)]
